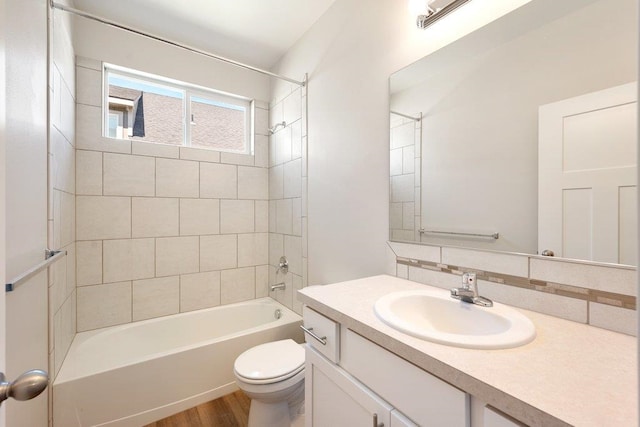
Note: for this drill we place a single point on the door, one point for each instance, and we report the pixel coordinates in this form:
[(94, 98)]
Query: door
[(3, 97), (24, 201), (587, 176), (334, 398)]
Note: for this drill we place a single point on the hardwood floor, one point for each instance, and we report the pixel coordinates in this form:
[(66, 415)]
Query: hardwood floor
[(231, 410)]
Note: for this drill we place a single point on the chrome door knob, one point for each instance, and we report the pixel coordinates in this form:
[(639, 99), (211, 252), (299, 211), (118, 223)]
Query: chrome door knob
[(25, 387)]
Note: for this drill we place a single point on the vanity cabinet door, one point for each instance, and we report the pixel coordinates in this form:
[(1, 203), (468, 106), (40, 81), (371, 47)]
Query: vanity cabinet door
[(335, 399)]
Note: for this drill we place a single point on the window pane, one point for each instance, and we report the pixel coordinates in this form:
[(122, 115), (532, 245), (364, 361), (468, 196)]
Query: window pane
[(218, 125), (150, 112)]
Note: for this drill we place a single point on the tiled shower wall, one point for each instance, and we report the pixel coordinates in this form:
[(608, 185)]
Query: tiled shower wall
[(61, 190), (287, 193), (164, 229), (601, 295), (404, 187)]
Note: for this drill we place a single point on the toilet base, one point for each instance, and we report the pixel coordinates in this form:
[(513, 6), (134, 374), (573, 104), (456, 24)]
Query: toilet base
[(282, 413)]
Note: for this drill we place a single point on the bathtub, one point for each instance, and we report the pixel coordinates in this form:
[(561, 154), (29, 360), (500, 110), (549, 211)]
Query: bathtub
[(134, 374)]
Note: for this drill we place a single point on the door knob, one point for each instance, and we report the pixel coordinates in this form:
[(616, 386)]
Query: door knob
[(25, 387)]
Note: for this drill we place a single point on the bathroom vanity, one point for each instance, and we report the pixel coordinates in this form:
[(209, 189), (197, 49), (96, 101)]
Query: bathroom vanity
[(359, 371)]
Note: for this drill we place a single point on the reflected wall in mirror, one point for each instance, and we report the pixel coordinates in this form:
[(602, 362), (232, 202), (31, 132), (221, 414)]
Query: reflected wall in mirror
[(484, 101)]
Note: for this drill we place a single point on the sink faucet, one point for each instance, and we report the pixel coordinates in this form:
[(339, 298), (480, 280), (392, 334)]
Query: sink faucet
[(469, 291)]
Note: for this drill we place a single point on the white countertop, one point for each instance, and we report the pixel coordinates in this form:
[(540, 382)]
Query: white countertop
[(571, 373)]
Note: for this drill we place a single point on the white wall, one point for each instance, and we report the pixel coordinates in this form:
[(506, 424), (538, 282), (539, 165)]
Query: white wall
[(95, 40), (349, 54)]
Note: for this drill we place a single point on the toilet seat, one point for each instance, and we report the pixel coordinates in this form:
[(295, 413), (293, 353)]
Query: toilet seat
[(270, 363)]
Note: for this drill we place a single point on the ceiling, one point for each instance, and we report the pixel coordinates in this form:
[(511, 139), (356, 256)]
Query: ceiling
[(256, 32)]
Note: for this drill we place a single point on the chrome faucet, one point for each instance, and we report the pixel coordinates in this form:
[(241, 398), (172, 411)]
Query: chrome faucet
[(469, 291)]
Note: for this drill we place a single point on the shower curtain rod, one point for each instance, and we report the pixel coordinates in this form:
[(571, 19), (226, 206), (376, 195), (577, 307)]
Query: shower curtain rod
[(96, 18), (406, 116)]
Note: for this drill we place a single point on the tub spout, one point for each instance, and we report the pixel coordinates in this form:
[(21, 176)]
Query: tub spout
[(277, 287)]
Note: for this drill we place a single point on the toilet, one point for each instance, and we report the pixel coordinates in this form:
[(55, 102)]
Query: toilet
[(272, 376)]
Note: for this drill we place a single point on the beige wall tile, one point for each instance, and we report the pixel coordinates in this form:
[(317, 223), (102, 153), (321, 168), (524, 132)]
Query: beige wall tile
[(283, 296), (156, 297), (276, 248), (218, 252), (89, 262), (128, 259), (262, 281), (613, 318), (199, 154), (127, 175), (262, 216), (199, 216), (63, 162), (155, 150), (611, 279), (293, 252), (293, 179), (103, 305), (67, 218), (419, 252), (64, 330), (284, 216), (542, 302), (253, 249), (218, 181), (434, 278), (237, 158), (103, 217), (253, 183), (237, 285), (199, 290), (283, 145), (276, 182), (296, 217), (262, 121), (261, 151), (177, 178), (88, 172), (88, 86), (177, 255), (237, 216), (155, 217)]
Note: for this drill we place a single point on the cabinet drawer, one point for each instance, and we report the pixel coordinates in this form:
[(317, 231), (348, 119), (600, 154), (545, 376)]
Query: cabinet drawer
[(322, 333), (422, 397)]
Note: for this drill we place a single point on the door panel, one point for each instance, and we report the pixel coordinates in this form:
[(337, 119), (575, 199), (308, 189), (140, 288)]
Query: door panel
[(26, 200), (587, 176)]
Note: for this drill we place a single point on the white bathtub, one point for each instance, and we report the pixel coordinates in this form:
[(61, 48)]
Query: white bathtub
[(134, 374)]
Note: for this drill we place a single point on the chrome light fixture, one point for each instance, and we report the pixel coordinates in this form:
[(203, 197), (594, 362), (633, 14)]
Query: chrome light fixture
[(434, 10)]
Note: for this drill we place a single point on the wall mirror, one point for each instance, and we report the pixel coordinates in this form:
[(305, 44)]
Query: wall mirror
[(521, 136)]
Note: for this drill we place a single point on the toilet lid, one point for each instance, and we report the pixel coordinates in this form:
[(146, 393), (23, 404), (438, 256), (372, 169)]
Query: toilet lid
[(276, 360)]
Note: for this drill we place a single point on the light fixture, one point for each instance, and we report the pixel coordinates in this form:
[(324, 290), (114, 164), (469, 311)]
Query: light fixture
[(434, 10)]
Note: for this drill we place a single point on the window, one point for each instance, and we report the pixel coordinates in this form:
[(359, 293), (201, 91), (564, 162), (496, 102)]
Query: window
[(144, 107)]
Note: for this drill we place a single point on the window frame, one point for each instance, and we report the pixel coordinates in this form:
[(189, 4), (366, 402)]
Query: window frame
[(188, 92)]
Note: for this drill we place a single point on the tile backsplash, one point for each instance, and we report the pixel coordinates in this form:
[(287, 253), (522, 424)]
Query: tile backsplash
[(165, 229), (597, 294)]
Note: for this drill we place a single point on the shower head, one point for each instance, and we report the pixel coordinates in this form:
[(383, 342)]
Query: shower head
[(276, 126)]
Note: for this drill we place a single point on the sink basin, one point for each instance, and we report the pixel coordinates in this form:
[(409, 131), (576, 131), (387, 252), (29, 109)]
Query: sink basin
[(435, 316)]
